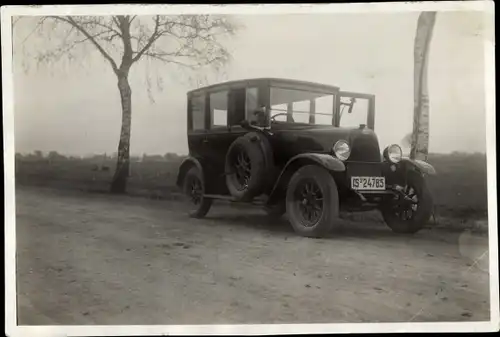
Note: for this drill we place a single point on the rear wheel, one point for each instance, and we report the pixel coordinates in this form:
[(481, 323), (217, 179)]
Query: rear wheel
[(412, 210), (194, 189), (312, 201)]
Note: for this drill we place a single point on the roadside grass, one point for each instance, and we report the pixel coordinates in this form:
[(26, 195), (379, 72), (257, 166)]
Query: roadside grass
[(459, 188)]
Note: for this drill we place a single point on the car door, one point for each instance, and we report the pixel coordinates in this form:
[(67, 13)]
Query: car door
[(223, 129), (197, 126)]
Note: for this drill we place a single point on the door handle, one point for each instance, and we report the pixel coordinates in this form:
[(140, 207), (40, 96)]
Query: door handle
[(205, 141)]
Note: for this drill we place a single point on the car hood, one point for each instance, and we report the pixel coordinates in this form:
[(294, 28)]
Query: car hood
[(320, 139)]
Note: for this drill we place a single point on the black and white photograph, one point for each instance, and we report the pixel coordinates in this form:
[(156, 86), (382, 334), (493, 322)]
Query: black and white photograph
[(250, 169)]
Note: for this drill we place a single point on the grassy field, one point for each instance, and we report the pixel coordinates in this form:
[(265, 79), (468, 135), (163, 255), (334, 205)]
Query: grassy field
[(459, 189)]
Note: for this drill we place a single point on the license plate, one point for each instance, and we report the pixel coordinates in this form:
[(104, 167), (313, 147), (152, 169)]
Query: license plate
[(368, 183)]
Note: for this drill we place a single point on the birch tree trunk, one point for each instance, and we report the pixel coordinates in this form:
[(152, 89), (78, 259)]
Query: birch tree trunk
[(119, 183), (420, 135)]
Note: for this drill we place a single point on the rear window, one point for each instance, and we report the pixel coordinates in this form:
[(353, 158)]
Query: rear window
[(198, 112), (218, 108)]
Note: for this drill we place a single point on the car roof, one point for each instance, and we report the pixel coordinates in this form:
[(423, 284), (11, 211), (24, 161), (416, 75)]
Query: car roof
[(280, 82)]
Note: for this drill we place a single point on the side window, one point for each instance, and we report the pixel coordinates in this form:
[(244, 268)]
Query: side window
[(198, 112), (301, 111), (251, 103), (324, 110), (218, 108)]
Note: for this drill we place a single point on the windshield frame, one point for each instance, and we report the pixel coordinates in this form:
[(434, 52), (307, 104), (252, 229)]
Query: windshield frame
[(315, 92), (338, 97), (370, 116)]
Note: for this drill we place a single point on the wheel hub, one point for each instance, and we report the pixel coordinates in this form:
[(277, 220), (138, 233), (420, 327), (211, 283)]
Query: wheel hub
[(310, 202), (406, 203), (196, 191), (242, 168)]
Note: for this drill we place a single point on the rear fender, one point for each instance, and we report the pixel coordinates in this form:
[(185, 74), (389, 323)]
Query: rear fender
[(329, 162), (185, 166), (419, 165)]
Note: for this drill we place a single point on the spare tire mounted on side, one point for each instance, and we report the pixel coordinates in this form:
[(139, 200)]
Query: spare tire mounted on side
[(248, 163)]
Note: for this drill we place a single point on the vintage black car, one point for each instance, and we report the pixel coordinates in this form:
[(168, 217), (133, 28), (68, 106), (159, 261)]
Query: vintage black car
[(305, 149)]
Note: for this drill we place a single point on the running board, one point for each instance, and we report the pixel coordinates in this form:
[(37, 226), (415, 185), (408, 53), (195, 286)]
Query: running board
[(233, 199)]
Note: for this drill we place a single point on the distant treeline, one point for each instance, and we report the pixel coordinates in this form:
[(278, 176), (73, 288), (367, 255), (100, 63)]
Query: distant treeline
[(56, 156)]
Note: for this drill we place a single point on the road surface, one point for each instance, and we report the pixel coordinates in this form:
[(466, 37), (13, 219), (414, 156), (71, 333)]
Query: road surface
[(95, 259)]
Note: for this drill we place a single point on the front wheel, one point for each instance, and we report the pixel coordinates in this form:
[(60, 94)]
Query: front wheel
[(312, 201), (410, 211), (194, 190)]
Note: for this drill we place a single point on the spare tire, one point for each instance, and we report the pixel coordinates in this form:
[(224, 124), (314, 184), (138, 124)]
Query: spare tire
[(249, 161)]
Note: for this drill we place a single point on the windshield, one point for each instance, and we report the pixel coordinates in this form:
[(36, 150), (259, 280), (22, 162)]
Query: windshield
[(355, 115), (300, 106)]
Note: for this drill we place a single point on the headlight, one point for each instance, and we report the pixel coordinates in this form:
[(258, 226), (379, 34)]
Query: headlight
[(342, 150), (393, 153)]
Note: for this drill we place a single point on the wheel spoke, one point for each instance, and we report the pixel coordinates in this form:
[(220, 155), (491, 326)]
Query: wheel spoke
[(306, 213)]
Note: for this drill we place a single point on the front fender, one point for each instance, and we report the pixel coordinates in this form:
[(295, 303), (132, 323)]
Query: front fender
[(420, 165), (327, 161), (186, 164)]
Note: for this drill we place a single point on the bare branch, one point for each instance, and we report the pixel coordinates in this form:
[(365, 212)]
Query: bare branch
[(156, 34), (116, 21), (189, 41), (100, 24), (38, 25), (72, 22), (165, 59)]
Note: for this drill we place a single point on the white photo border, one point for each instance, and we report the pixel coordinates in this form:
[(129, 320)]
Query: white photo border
[(12, 329)]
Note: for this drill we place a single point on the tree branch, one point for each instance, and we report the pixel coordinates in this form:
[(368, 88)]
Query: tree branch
[(117, 23), (72, 22), (34, 29), (156, 34), (161, 57), (110, 28)]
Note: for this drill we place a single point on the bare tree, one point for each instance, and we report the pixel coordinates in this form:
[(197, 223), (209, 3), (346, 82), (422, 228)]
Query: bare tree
[(190, 41)]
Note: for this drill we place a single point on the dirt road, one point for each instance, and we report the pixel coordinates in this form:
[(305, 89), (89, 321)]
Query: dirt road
[(95, 259)]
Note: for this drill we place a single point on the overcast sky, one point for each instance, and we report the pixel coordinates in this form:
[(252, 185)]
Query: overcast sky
[(75, 108)]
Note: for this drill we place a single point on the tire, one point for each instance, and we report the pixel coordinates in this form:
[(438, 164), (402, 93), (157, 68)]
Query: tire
[(321, 182), (248, 163), (409, 217), (199, 205)]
